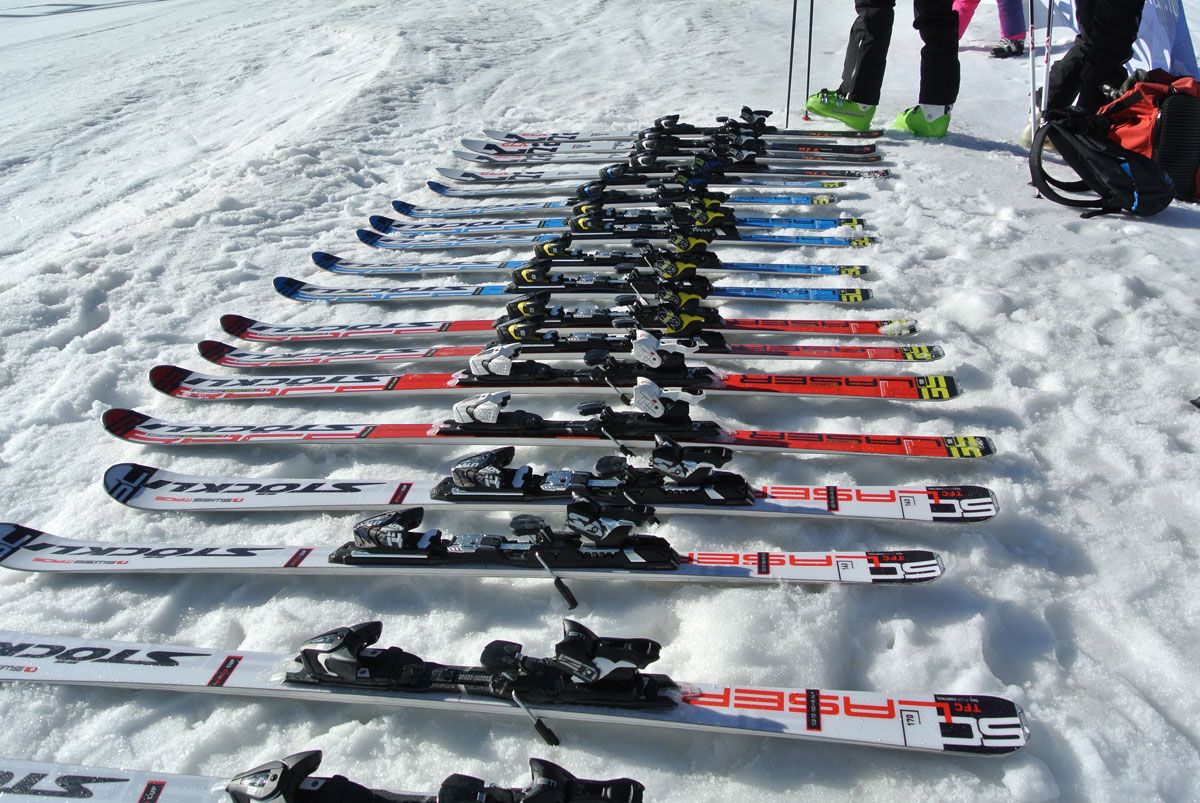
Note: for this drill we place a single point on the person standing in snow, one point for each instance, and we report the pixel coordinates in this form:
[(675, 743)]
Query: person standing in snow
[(854, 102), (1012, 25), (1107, 31)]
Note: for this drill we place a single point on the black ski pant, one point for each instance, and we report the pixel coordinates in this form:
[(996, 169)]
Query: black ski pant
[(1107, 31), (871, 34)]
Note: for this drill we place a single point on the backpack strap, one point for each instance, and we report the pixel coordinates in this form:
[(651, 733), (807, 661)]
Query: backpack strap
[(1045, 183)]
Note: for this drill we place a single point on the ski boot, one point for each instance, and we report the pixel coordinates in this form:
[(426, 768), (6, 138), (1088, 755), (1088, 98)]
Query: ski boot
[(925, 120), (828, 103), (1008, 48)]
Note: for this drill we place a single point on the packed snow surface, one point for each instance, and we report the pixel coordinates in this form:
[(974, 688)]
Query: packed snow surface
[(162, 161)]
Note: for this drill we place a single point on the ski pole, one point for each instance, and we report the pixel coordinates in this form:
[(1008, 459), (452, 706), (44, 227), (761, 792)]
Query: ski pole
[(808, 67), (1049, 44), (1033, 104), (787, 112)]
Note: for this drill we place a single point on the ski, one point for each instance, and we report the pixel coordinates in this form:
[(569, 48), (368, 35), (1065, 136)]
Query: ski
[(572, 190), (566, 347), (552, 208), (526, 429), (678, 480), (244, 328), (572, 263), (663, 145), (343, 666), (288, 780), (181, 383), (583, 288), (624, 237), (565, 225), (736, 175), (390, 546), (665, 157)]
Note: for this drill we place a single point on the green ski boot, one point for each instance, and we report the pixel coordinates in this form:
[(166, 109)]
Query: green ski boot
[(828, 103), (925, 120)]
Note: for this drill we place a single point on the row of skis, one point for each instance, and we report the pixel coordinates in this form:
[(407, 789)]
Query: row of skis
[(633, 327)]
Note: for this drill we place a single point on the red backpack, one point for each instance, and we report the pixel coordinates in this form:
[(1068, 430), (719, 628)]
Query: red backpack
[(1159, 117)]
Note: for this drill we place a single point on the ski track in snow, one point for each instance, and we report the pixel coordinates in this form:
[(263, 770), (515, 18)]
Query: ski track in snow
[(162, 161)]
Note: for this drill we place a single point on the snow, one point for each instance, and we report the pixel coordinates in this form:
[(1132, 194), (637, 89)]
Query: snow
[(163, 161)]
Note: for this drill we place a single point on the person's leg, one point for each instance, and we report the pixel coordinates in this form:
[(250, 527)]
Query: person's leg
[(1065, 75), (866, 52), (1012, 19), (1113, 30), (966, 10), (935, 20)]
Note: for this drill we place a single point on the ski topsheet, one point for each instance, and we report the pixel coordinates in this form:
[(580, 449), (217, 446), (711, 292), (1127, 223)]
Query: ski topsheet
[(26, 549), (624, 237), (38, 782), (783, 158), (336, 264), (286, 780), (562, 225), (148, 488), (303, 291), (570, 190), (135, 427), (735, 176), (184, 384), (940, 723), (557, 208), (563, 349), (250, 329), (625, 136), (627, 147)]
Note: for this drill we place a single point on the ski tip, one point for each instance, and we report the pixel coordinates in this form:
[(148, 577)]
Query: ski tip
[(986, 446), (123, 481), (452, 173), (119, 422), (13, 536), (898, 328), (499, 136), (953, 391), (929, 565), (478, 158), (214, 351), (438, 187), (289, 288), (403, 207), (236, 325), (168, 378), (324, 260), (368, 237), (381, 223)]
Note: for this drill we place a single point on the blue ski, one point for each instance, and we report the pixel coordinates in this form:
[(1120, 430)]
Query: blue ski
[(598, 260), (302, 291), (556, 207), (562, 225), (543, 189), (485, 241)]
